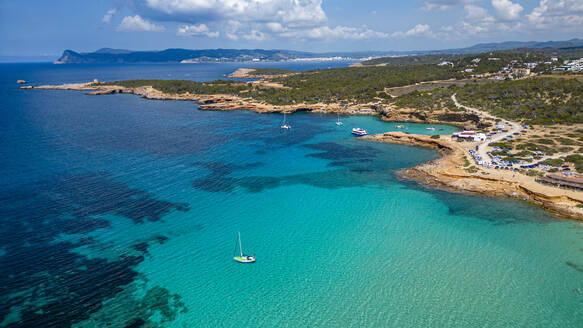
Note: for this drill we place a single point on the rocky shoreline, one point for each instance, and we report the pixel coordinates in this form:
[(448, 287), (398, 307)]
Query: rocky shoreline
[(214, 102), (448, 172), (226, 102)]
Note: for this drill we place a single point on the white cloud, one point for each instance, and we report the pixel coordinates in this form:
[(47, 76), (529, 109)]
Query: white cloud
[(232, 36), (255, 20), (557, 13), (231, 29), (443, 4), (192, 30), (107, 17), (275, 27), (417, 30), (290, 12), (475, 13), (255, 35), (477, 21), (138, 24), (507, 10), (338, 32)]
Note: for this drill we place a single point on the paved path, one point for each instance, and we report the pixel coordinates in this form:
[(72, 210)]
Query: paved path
[(514, 127), (482, 148)]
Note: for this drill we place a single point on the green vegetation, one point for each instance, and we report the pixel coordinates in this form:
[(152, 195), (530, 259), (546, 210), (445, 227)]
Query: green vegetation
[(183, 86), (535, 147), (567, 141), (354, 84), (577, 160), (489, 61), (472, 169), (520, 156), (545, 141), (501, 144), (435, 136), (534, 101), (580, 205), (553, 162), (427, 101), (533, 173), (410, 60), (270, 71)]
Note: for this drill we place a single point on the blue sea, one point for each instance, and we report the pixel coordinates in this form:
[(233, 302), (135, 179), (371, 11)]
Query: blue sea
[(116, 211)]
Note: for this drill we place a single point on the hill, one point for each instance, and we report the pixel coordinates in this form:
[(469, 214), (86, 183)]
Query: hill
[(108, 55)]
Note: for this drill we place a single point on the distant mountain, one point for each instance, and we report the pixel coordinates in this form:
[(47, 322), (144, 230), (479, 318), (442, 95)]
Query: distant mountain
[(108, 55), (112, 51), (484, 47)]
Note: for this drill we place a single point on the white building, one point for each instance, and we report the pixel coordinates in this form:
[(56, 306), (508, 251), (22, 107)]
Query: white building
[(469, 135), (531, 65)]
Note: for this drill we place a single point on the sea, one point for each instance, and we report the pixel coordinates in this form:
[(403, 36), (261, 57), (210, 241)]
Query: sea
[(117, 211)]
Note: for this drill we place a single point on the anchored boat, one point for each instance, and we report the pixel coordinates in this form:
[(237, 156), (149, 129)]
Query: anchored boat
[(359, 131), (284, 125), (243, 258)]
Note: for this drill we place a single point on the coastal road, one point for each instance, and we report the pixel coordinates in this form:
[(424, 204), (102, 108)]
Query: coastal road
[(482, 148), (514, 127)]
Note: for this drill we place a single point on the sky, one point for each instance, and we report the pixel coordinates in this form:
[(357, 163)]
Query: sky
[(39, 28)]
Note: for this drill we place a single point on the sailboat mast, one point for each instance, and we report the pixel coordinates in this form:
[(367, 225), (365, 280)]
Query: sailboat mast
[(240, 246)]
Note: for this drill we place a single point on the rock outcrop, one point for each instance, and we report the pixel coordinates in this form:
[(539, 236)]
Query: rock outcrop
[(448, 172)]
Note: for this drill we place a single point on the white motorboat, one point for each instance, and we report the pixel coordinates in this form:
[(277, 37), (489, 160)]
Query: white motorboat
[(359, 132)]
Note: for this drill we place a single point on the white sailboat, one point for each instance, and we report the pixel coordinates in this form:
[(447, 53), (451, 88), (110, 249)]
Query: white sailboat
[(285, 125), (338, 122), (243, 258)]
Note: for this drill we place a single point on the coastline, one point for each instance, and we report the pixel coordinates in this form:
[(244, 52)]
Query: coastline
[(447, 172), (226, 102), (222, 102)]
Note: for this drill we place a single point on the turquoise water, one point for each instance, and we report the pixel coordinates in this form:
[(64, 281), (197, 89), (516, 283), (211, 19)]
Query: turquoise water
[(123, 212)]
